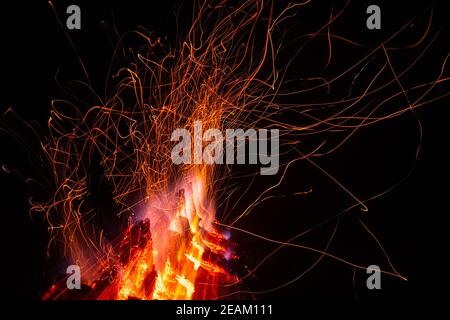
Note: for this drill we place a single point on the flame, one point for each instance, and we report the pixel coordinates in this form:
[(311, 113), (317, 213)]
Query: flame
[(168, 252), (176, 253)]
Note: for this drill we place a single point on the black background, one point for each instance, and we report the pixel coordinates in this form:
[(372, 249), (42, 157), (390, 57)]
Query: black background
[(411, 221)]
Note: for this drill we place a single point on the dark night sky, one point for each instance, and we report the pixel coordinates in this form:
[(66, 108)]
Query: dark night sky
[(411, 221)]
